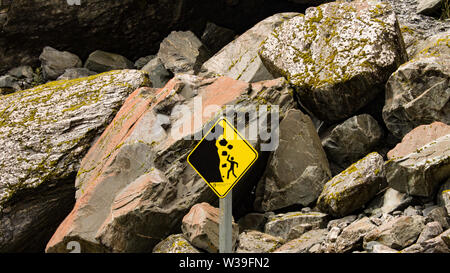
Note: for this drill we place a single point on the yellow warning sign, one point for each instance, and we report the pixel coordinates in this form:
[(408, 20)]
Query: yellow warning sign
[(222, 157)]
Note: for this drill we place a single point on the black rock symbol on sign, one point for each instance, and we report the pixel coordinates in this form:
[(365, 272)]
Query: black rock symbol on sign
[(232, 164)]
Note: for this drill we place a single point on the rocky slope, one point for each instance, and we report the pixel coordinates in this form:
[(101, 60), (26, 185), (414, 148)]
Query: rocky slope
[(94, 152)]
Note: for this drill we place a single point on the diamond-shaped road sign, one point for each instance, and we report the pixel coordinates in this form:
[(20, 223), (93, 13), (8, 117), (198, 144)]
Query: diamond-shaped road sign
[(222, 157)]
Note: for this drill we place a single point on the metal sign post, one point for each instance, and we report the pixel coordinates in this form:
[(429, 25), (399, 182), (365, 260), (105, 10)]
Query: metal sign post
[(225, 224)]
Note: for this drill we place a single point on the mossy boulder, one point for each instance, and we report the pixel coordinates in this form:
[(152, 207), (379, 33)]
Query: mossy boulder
[(338, 55), (354, 187), (175, 243), (252, 241), (44, 133)]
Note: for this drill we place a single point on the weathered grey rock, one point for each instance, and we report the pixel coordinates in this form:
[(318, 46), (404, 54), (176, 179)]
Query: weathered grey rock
[(397, 233), (215, 37), (299, 230), (239, 59), (76, 73), (55, 62), (354, 138), (376, 247), (183, 52), (175, 244), (443, 196), (418, 137), (430, 231), (410, 211), (304, 243), (44, 134), (351, 237), (22, 72), (439, 244), (429, 7), (341, 222), (253, 221), (253, 241), (353, 187), (388, 201), (8, 84), (142, 61), (288, 180), (438, 214), (421, 172), (201, 227), (159, 75), (436, 45), (101, 61), (281, 224), (339, 55), (418, 93)]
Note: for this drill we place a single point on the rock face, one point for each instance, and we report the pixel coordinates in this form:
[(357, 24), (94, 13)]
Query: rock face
[(397, 233), (339, 55), (183, 52), (288, 180), (418, 93), (239, 59), (282, 224), (175, 244), (55, 62), (201, 227), (139, 198), (253, 241), (352, 139), (158, 74), (353, 187), (429, 7), (45, 131), (352, 236), (101, 61), (421, 172), (418, 137)]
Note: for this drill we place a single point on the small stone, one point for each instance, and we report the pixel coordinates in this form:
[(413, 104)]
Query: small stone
[(430, 231), (345, 221), (333, 234), (253, 241), (175, 244), (55, 62), (102, 61), (397, 213)]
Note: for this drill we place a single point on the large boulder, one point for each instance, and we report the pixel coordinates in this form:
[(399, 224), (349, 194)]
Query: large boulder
[(45, 132), (239, 59), (288, 180), (418, 137), (101, 61), (252, 241), (55, 62), (418, 93), (354, 138), (134, 186), (281, 225), (183, 52), (397, 233), (354, 187), (201, 227), (421, 172), (339, 55), (304, 243)]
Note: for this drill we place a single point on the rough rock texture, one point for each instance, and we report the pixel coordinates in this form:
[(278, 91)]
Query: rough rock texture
[(437, 214), (443, 196), (388, 202), (252, 241), (430, 231), (55, 62), (239, 59), (353, 187), (280, 225), (175, 243), (201, 227), (418, 93), (45, 132), (418, 137), (352, 139), (376, 247), (158, 74), (352, 236), (339, 55), (421, 172), (439, 244), (183, 52), (75, 73), (397, 233), (142, 61), (429, 7), (216, 37), (288, 180), (304, 243), (101, 61), (131, 160), (254, 221)]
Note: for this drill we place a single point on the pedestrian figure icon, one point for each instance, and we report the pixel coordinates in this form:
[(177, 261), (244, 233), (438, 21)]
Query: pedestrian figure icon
[(222, 157)]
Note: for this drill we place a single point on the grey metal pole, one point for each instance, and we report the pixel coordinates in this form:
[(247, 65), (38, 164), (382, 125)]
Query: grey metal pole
[(225, 225)]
